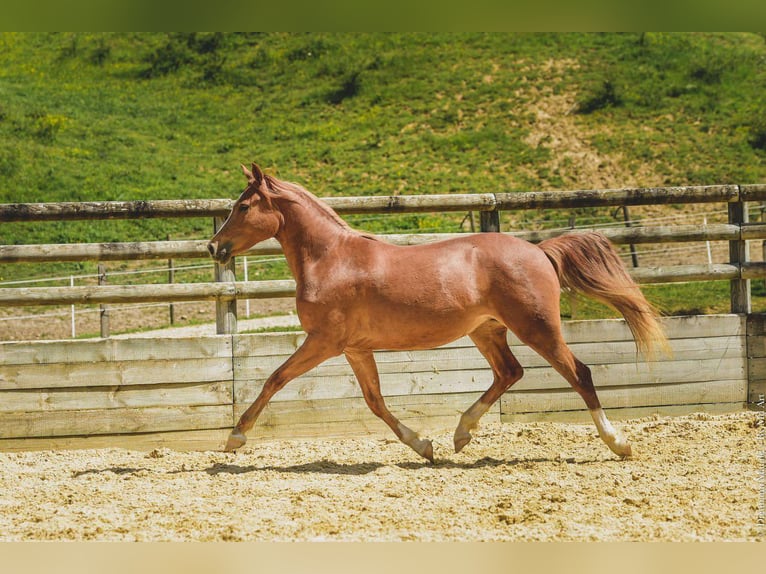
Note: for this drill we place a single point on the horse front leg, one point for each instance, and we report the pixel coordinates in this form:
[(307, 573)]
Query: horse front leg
[(311, 353), (366, 371), (490, 339)]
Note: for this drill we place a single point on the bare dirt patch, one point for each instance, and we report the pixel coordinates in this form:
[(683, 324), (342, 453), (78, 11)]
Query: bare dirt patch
[(578, 163), (692, 478)]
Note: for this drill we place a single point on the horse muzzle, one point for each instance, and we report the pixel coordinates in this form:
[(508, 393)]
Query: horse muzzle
[(220, 253)]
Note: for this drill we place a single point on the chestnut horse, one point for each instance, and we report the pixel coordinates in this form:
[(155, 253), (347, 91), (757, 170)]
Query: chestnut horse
[(356, 294)]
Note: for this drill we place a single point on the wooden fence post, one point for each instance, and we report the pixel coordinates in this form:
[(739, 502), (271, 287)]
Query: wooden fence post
[(739, 254), (171, 279), (103, 308), (225, 311), (489, 220), (629, 223)]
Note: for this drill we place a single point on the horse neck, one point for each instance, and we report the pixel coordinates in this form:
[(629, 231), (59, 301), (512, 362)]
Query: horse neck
[(310, 229)]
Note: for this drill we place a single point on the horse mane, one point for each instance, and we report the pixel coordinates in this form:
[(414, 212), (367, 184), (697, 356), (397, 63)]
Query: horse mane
[(300, 194)]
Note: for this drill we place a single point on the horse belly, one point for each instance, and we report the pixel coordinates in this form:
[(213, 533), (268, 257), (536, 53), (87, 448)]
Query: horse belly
[(407, 328)]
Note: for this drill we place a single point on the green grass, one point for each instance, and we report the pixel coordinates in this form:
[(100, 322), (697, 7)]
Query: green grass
[(670, 299), (155, 116)]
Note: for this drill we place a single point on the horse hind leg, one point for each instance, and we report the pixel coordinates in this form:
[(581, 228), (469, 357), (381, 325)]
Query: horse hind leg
[(490, 339), (550, 345), (366, 371)]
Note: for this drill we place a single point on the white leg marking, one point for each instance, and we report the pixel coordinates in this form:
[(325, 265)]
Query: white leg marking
[(468, 422), (421, 446), (614, 440)]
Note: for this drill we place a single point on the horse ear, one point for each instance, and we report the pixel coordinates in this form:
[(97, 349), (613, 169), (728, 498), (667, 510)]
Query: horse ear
[(257, 175), (247, 172)]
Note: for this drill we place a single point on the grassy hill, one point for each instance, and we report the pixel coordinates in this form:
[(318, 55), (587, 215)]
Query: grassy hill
[(152, 116)]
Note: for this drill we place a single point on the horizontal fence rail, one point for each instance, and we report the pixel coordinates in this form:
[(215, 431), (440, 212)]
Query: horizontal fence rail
[(192, 249), (226, 289), (92, 294), (170, 208), (272, 289)]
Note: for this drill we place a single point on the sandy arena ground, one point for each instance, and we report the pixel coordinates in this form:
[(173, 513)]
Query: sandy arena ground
[(698, 477)]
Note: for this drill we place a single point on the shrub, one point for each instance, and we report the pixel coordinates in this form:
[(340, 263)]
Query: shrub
[(349, 88), (101, 53), (602, 97), (205, 43), (757, 139), (168, 58)]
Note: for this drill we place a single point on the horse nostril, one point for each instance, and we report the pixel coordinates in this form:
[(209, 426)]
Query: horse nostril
[(211, 247)]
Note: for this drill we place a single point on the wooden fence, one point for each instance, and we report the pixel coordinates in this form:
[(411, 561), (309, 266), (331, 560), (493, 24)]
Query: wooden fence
[(187, 393)]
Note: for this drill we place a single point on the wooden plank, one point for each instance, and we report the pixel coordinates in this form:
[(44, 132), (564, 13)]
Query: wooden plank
[(309, 387), (649, 234), (197, 249), (194, 440), (753, 230), (113, 373), (685, 273), (95, 210), (609, 197), (583, 416), (316, 388), (756, 324), (102, 350), (624, 397), (113, 421), (756, 352), (122, 251), (370, 427), (643, 374), (349, 417), (172, 292), (692, 326), (412, 203), (469, 358), (118, 251), (752, 192), (604, 330), (82, 398), (351, 409), (756, 347), (757, 369)]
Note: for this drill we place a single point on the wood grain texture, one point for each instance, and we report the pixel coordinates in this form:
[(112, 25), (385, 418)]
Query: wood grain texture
[(65, 391)]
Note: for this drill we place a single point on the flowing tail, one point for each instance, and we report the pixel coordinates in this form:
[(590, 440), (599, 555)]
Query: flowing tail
[(587, 263)]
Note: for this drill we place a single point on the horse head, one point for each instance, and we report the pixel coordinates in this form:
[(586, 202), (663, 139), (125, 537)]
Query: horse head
[(253, 218)]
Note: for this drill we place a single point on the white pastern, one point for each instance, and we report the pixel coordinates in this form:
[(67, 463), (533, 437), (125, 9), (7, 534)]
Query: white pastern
[(613, 439)]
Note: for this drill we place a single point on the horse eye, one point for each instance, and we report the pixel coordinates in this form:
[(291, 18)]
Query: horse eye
[(244, 207)]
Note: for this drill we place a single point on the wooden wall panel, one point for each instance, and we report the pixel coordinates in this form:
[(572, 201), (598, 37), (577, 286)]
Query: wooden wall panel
[(189, 392)]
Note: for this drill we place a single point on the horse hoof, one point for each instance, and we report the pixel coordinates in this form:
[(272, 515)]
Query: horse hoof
[(428, 451), (461, 441), (236, 440), (626, 451), (622, 449)]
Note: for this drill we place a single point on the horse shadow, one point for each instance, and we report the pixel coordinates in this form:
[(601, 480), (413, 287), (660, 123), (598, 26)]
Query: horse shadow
[(317, 467), (117, 470), (334, 468)]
